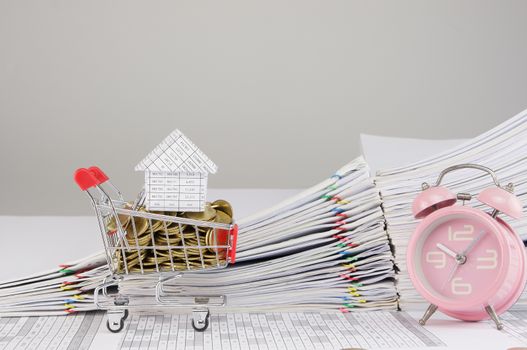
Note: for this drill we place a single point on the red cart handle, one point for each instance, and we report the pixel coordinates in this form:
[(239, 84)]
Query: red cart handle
[(98, 174), (85, 179), (88, 178), (232, 252)]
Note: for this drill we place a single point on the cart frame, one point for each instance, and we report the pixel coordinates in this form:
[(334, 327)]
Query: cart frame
[(126, 238)]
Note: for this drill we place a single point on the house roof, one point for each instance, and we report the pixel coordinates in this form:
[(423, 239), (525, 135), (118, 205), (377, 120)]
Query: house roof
[(176, 153)]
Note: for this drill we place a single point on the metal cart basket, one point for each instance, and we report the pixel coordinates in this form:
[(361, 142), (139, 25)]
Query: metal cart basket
[(160, 245)]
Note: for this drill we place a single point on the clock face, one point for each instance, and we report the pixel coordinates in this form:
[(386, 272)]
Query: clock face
[(458, 257)]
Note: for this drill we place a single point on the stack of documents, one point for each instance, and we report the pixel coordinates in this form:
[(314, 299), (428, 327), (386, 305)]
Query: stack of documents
[(323, 249), (55, 292), (502, 149)]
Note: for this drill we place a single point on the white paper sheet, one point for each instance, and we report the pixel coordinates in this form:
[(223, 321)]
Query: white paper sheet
[(385, 152)]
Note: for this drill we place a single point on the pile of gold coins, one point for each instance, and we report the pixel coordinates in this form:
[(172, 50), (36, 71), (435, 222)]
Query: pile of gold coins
[(171, 245)]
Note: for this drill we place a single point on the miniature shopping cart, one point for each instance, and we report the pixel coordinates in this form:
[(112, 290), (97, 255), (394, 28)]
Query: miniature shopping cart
[(156, 247)]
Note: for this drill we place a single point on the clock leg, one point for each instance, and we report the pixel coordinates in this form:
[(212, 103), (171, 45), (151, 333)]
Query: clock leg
[(428, 313), (492, 313)]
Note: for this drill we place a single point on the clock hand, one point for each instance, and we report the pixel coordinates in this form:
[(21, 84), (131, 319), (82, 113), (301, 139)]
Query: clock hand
[(451, 275), (460, 258), (473, 243), (446, 250)]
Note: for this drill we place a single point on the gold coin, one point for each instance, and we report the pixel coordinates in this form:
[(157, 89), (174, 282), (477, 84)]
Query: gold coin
[(161, 241), (223, 218), (140, 241), (223, 206), (164, 253), (175, 228), (151, 260), (139, 224), (208, 214), (203, 229), (131, 255), (208, 236), (167, 252), (157, 224), (129, 264), (218, 237), (124, 219), (159, 227), (190, 234), (186, 253)]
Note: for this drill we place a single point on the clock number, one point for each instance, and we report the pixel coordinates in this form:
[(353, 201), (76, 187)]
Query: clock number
[(489, 262), (461, 235), (438, 259), (460, 288)]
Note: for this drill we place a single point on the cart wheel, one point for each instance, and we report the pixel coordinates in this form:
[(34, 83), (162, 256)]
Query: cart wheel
[(200, 325), (115, 327), (125, 315)]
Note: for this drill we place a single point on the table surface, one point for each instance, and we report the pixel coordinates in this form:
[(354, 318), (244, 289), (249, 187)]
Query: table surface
[(46, 242)]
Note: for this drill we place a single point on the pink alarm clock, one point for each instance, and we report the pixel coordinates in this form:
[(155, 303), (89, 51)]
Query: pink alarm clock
[(468, 263)]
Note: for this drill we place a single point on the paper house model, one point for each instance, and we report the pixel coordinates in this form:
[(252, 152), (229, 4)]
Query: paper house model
[(176, 174)]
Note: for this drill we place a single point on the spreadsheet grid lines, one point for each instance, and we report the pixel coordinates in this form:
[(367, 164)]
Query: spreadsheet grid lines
[(260, 331)]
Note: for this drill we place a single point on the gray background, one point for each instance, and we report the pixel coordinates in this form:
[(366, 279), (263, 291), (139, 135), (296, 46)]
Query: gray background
[(275, 92)]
